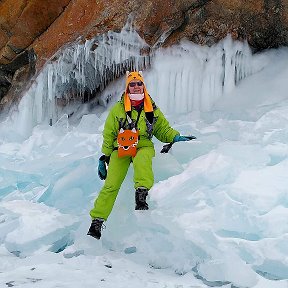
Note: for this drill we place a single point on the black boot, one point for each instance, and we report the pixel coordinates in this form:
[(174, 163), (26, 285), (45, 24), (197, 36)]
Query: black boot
[(140, 198), (95, 228)]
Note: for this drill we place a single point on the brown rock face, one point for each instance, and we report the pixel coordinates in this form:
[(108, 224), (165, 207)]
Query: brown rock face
[(23, 21), (46, 26)]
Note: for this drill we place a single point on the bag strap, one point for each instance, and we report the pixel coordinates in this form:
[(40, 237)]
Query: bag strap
[(130, 122)]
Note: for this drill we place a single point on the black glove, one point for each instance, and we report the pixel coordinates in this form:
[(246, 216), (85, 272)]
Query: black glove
[(102, 170), (177, 138)]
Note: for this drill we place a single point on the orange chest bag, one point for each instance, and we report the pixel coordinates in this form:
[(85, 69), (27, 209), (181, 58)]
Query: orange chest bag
[(127, 139), (127, 142)]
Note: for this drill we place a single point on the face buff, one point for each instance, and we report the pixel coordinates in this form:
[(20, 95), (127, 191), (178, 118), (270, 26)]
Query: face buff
[(136, 97)]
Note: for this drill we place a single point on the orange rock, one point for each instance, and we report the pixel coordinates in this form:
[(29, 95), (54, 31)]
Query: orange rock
[(35, 19), (47, 26), (10, 11), (6, 55), (3, 38)]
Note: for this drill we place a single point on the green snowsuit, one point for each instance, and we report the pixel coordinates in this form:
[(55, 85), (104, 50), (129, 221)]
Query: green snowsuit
[(142, 162)]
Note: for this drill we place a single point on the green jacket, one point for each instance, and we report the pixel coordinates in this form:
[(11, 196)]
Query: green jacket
[(161, 127)]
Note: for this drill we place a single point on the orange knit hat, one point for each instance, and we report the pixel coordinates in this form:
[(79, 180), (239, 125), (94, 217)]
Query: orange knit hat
[(147, 101)]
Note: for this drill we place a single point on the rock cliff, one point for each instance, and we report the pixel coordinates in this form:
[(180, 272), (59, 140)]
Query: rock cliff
[(32, 31)]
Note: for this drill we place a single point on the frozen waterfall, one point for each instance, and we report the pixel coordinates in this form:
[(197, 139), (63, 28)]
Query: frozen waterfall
[(181, 79)]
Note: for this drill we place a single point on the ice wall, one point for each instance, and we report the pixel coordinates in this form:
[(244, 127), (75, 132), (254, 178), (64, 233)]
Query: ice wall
[(182, 78), (82, 71), (187, 77)]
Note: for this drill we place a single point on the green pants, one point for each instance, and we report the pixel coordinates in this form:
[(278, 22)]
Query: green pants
[(117, 170)]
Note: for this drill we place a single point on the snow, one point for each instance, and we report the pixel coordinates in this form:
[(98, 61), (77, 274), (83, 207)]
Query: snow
[(219, 206)]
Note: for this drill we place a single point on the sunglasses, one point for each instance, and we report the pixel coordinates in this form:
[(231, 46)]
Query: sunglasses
[(133, 84)]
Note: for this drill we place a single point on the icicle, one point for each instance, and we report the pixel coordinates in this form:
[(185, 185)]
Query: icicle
[(89, 67), (212, 72), (183, 78)]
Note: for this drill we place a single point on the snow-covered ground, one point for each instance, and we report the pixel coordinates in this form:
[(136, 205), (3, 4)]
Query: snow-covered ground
[(219, 206)]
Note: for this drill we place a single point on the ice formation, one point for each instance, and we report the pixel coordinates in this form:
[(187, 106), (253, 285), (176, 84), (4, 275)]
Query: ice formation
[(219, 205), (181, 79)]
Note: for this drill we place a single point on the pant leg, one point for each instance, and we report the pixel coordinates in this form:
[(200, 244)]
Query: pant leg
[(142, 164), (116, 173)]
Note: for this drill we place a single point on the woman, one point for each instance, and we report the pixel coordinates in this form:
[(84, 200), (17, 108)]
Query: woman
[(127, 137)]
